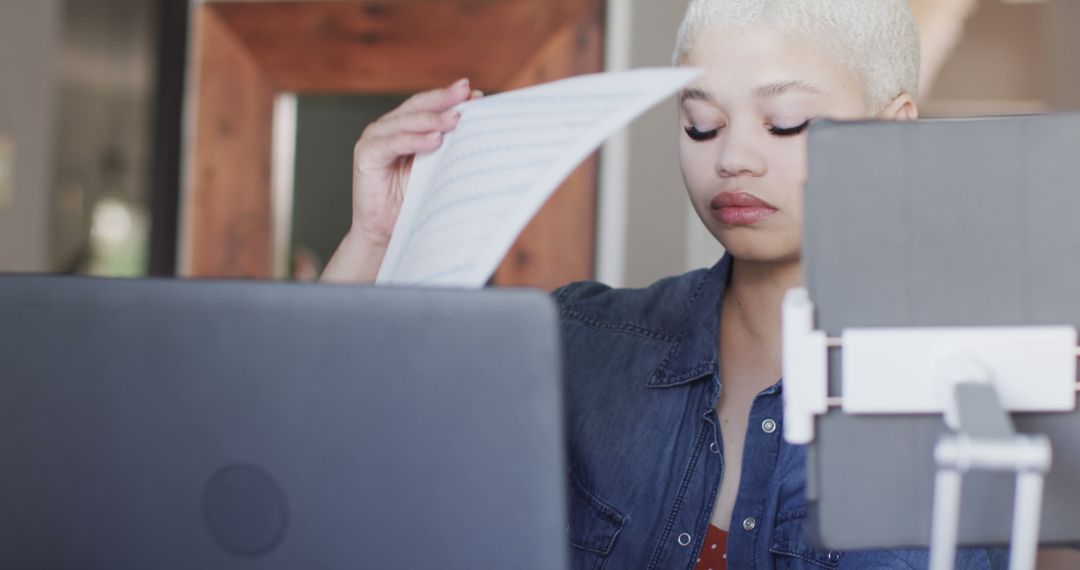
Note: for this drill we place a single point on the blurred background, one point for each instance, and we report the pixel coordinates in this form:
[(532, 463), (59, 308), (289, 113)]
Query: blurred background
[(116, 117), (214, 138), (83, 88)]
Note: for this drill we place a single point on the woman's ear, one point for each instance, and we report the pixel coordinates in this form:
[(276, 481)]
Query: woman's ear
[(902, 108)]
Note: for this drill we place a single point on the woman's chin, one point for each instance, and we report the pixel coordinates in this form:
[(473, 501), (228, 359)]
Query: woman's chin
[(760, 248)]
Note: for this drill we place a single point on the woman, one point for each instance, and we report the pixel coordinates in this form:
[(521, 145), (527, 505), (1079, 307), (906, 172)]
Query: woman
[(673, 398)]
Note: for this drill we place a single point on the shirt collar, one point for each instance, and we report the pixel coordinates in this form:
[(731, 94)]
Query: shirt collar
[(693, 355)]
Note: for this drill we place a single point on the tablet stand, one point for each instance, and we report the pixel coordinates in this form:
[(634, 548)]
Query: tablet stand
[(972, 376)]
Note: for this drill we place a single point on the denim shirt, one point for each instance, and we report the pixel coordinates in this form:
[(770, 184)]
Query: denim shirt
[(645, 455)]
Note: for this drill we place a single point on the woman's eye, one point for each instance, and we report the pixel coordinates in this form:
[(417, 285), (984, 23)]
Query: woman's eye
[(699, 136), (788, 132)]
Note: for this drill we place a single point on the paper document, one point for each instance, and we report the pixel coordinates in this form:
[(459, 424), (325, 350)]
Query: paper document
[(466, 203)]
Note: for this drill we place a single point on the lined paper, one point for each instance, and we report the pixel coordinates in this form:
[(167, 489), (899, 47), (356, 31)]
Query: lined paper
[(466, 203)]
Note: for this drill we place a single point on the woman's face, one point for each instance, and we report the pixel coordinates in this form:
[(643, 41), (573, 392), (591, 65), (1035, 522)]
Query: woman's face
[(743, 152)]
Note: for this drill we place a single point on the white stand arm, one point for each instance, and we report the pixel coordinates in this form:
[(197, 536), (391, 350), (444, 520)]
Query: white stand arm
[(992, 445), (806, 369)]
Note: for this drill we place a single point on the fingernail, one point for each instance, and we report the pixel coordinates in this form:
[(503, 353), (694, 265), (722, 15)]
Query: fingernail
[(463, 82), (477, 93)]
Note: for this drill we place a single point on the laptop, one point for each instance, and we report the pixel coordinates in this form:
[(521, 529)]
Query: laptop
[(217, 424), (938, 223)]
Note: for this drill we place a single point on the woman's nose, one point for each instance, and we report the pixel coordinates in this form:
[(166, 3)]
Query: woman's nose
[(740, 155)]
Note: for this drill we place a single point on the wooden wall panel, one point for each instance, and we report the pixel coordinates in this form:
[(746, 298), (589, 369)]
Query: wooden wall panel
[(393, 45), (558, 245), (229, 209), (249, 52)]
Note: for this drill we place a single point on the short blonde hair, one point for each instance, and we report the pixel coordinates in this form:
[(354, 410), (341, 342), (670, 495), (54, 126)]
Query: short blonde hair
[(878, 40)]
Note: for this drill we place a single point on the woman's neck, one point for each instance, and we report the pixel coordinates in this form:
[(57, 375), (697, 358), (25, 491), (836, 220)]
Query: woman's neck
[(751, 317)]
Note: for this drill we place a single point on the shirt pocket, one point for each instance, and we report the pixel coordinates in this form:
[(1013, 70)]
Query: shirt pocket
[(791, 553), (594, 527)]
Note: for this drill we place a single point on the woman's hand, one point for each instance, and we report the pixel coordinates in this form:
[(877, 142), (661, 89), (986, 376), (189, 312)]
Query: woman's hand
[(382, 158), (382, 161)]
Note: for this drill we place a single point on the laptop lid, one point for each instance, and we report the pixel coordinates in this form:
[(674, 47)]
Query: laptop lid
[(183, 424)]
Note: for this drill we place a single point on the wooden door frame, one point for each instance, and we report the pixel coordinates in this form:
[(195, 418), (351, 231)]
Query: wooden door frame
[(247, 53)]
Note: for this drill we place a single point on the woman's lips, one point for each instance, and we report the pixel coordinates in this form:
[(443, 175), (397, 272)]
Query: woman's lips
[(739, 209)]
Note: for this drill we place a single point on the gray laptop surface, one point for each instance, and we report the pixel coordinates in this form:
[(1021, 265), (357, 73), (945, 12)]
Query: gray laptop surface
[(170, 424), (938, 223)]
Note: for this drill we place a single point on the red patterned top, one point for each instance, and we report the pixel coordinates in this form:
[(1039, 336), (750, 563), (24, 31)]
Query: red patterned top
[(714, 551)]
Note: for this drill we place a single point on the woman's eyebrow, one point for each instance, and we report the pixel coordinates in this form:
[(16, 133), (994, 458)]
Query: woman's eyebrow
[(766, 91), (695, 93), (778, 88)]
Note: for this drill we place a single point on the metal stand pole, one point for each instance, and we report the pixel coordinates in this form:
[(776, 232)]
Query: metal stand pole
[(994, 447), (1027, 510), (946, 523)]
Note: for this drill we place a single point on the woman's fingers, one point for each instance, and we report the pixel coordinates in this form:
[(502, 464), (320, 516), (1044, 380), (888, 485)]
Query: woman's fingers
[(423, 123), (381, 152), (416, 126), (436, 100)]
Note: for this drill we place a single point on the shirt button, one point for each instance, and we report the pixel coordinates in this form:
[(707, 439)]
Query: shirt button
[(684, 539), (749, 523), (714, 447), (768, 426)]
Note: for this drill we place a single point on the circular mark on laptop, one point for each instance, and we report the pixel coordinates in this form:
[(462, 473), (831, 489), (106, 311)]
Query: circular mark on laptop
[(245, 510)]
